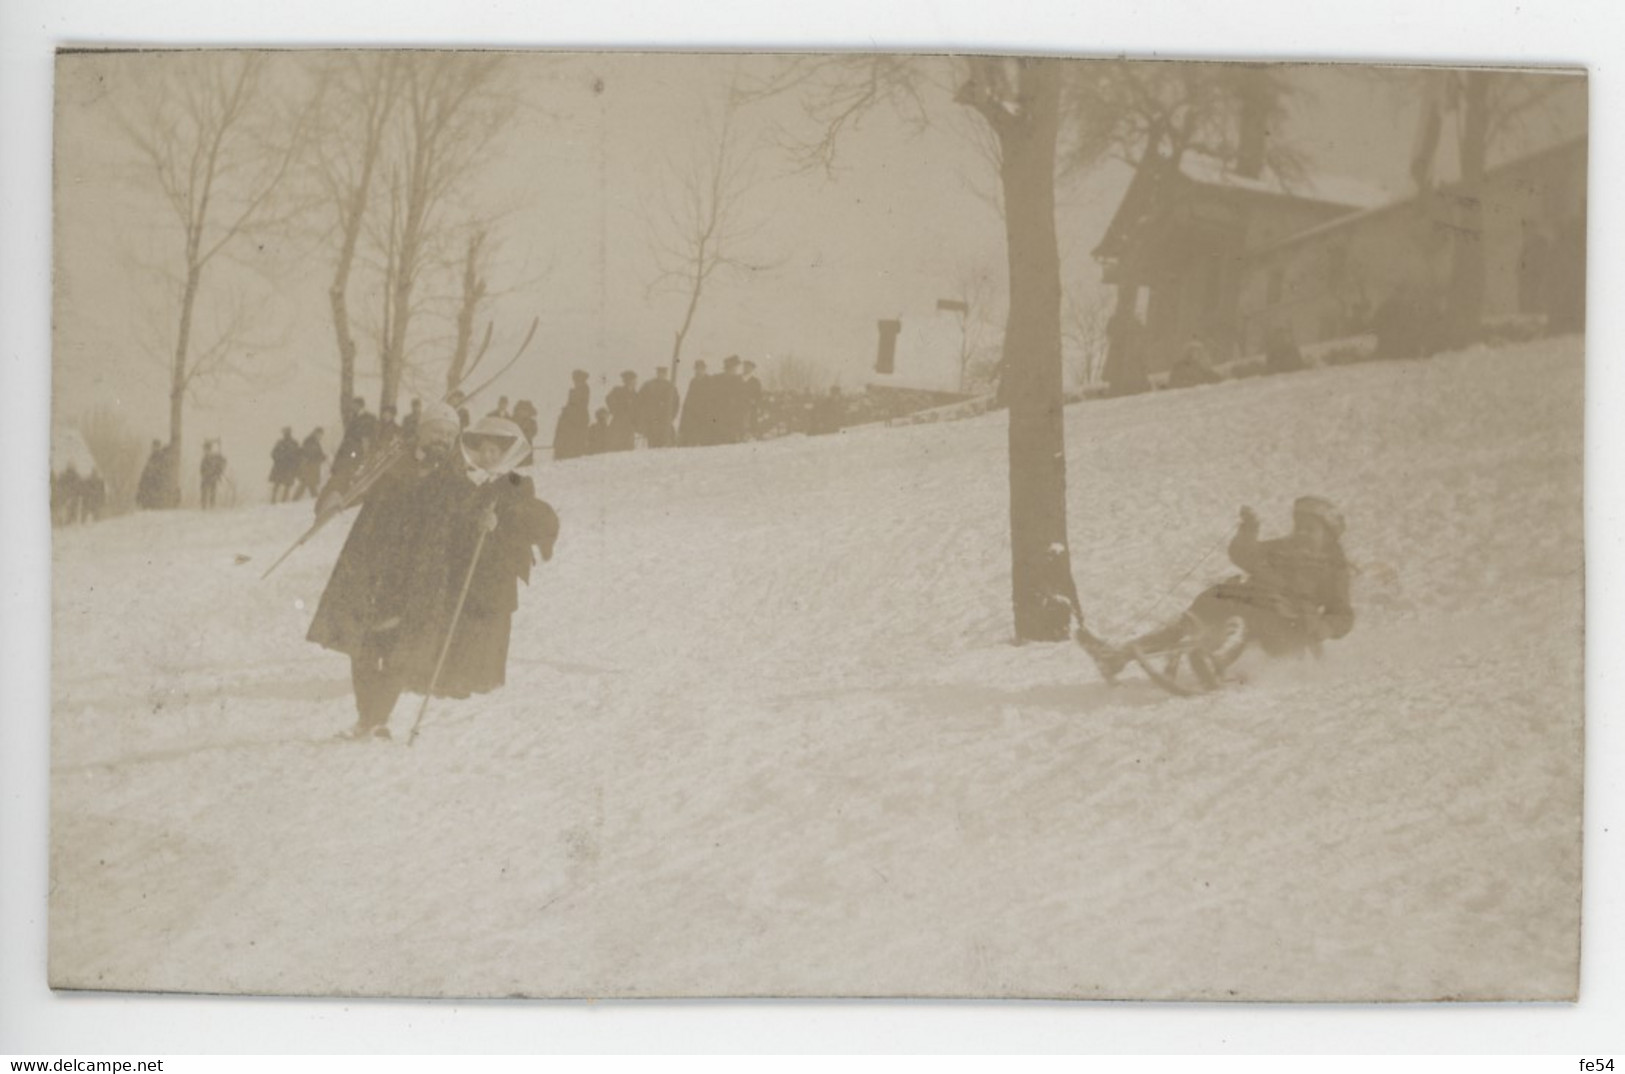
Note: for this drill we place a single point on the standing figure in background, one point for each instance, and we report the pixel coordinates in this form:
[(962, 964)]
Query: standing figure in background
[(389, 430), (728, 404), (570, 432), (524, 416), (692, 427), (360, 433), (284, 466), (409, 424), (210, 471), (657, 410), (149, 492), (598, 434), (311, 457), (622, 402)]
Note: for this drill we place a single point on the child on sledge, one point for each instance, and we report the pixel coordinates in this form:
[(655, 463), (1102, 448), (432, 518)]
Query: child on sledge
[(1292, 596)]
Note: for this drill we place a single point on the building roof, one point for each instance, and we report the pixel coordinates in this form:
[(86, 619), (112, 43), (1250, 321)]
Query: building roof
[(1351, 219), (1316, 186), (1148, 193)]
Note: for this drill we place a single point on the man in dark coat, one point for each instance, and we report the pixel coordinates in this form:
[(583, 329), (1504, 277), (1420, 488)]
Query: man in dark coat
[(210, 471), (657, 410), (570, 432), (149, 492), (524, 416), (360, 434), (728, 404), (1292, 596), (483, 529), (695, 423), (360, 613), (598, 433), (622, 402), (311, 457), (284, 466)]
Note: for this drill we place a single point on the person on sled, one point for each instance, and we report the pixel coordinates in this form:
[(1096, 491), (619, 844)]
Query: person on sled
[(1293, 595)]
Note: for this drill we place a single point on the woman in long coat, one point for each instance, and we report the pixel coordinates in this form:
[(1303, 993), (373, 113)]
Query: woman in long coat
[(570, 433), (482, 507)]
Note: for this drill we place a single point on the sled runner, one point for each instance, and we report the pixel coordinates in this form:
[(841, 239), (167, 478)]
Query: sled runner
[(1195, 665)]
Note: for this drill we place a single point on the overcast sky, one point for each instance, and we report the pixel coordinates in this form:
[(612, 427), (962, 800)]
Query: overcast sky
[(578, 172)]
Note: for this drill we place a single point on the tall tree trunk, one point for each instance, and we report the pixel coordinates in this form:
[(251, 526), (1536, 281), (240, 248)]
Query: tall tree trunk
[(178, 376), (1043, 590), (341, 328), (401, 314), (1467, 271), (473, 295)]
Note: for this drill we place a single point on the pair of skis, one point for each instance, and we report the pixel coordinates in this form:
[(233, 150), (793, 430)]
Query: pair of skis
[(380, 462)]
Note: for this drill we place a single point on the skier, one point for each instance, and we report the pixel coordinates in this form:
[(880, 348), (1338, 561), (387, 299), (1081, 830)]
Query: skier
[(483, 528), (1292, 596), (360, 610)]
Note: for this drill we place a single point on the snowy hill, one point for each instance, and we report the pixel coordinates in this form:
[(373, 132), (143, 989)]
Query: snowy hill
[(764, 732)]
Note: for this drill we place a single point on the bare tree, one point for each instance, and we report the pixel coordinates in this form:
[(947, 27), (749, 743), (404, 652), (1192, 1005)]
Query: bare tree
[(359, 99), (701, 220), (451, 107), (1153, 113), (981, 293), (1020, 100), (796, 375), (475, 290), (1084, 316), (217, 140), (117, 451)]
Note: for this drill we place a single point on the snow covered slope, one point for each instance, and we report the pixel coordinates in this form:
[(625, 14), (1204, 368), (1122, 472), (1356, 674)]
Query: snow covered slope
[(765, 733)]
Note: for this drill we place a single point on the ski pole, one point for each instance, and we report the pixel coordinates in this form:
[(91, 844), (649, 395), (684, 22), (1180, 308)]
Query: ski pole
[(451, 631)]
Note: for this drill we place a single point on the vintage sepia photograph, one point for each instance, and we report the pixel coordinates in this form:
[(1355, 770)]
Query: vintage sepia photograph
[(571, 524)]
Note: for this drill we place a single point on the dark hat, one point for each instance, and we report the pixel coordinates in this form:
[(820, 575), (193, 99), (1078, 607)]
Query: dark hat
[(629, 375), (730, 361)]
